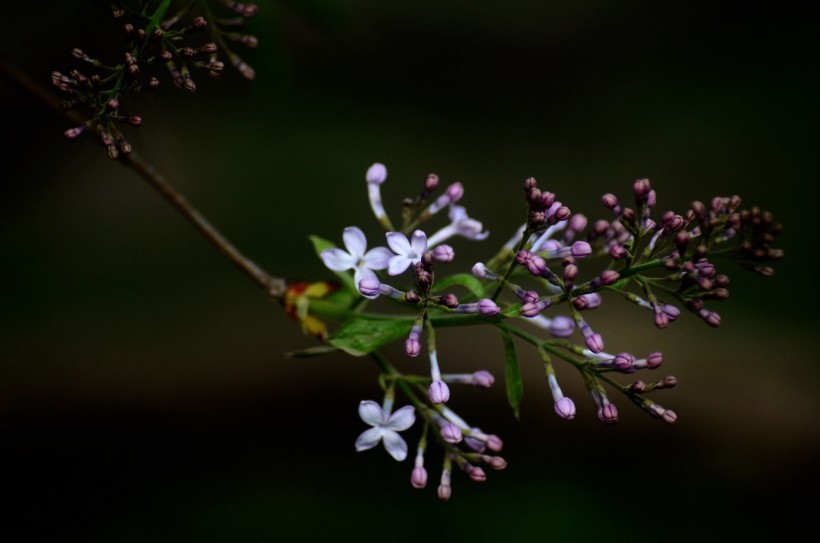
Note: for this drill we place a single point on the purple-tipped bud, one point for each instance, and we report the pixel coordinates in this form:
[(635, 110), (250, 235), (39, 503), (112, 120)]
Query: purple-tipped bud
[(449, 300), (476, 474), (593, 300), (609, 277), (451, 433), (712, 318), (638, 386), (561, 326), (595, 343), (651, 198), (455, 192), (199, 23), (529, 184), (494, 443), (444, 492), (669, 416), (623, 361), (671, 311), (641, 188), (532, 309), (530, 296), (661, 319), (75, 132), (495, 462), (577, 222), (376, 174), (617, 251), (418, 478), (479, 270), (565, 408), (431, 183), (475, 444), (608, 414), (609, 201), (483, 379), (670, 381), (561, 214), (369, 287), (653, 360), (488, 308), (438, 392), (412, 347), (536, 265), (581, 249), (443, 253)]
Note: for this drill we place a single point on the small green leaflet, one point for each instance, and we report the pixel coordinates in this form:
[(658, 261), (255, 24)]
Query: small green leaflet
[(319, 245), (512, 372), (362, 336)]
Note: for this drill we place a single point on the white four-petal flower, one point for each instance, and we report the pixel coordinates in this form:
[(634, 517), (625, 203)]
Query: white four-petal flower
[(385, 428), (407, 252), (356, 258)]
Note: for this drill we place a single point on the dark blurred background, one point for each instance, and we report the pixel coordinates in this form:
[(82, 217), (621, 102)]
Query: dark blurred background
[(144, 391)]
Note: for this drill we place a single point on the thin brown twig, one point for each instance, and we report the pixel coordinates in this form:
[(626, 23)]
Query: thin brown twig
[(273, 286)]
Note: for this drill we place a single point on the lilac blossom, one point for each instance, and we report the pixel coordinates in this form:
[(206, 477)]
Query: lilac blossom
[(408, 252), (460, 225), (385, 427), (357, 257)]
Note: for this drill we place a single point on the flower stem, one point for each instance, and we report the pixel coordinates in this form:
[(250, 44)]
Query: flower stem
[(273, 286)]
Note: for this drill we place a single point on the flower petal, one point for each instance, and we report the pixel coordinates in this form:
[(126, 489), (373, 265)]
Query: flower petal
[(394, 444), (418, 242), (337, 260), (369, 439), (457, 213), (377, 258), (355, 242), (398, 243), (371, 413), (398, 264), (402, 419)]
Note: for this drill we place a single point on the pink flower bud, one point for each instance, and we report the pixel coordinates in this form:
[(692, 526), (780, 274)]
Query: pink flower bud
[(438, 392), (455, 192), (412, 347), (565, 408), (608, 414), (451, 433), (376, 174), (494, 443), (418, 478), (488, 308), (476, 474), (483, 379), (581, 249)]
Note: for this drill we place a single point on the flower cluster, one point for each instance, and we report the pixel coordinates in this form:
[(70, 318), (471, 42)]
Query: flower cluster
[(151, 40), (659, 265)]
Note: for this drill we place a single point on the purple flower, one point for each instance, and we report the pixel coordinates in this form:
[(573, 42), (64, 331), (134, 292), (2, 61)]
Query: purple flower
[(407, 252), (385, 428), (438, 392), (356, 258), (460, 225)]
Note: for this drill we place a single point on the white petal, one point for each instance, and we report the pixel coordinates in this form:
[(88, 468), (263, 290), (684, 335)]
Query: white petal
[(371, 413), (402, 419), (398, 243), (394, 444), (418, 242), (377, 258), (398, 264), (368, 439), (355, 242), (363, 273), (337, 260)]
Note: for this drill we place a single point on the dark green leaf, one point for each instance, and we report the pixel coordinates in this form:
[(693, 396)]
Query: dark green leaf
[(466, 280), (319, 245), (512, 372), (362, 336)]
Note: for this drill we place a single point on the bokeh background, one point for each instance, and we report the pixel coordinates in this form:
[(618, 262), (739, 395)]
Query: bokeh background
[(144, 391)]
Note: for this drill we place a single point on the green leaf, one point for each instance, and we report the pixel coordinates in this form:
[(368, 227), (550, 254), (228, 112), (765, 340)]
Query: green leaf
[(512, 373), (362, 336), (466, 280), (319, 245)]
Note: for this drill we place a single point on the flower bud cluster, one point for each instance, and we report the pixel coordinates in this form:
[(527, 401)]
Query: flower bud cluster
[(175, 43)]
